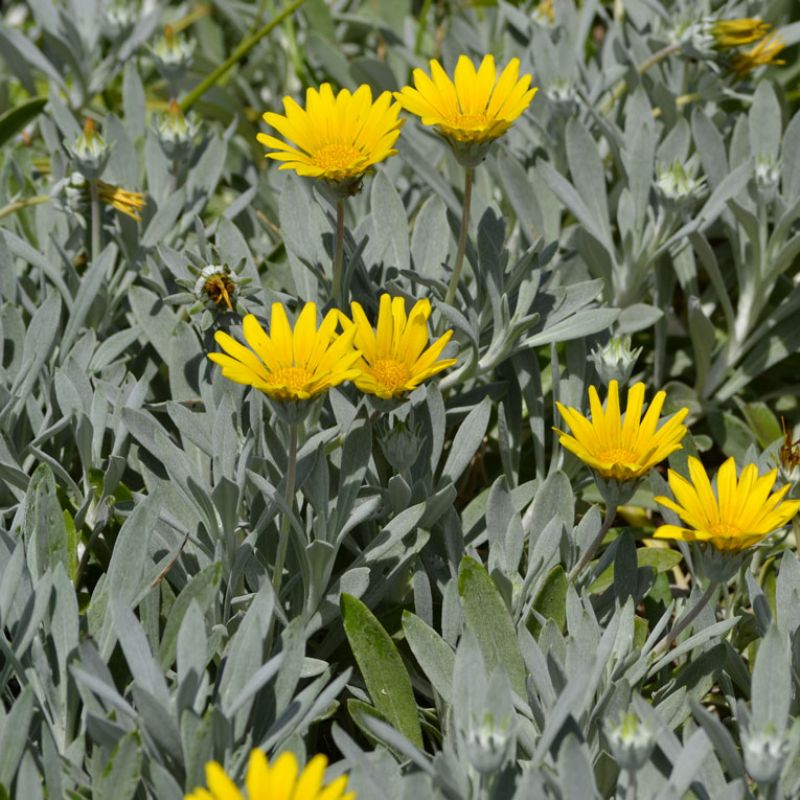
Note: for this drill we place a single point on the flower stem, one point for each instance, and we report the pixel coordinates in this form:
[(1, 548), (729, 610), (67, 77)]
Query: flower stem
[(18, 205), (647, 64), (237, 55), (283, 537), (338, 256), (462, 238), (94, 201), (686, 620), (588, 554), (631, 792)]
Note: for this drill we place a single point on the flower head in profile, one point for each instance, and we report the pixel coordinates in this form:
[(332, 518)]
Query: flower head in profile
[(335, 138), (289, 364), (123, 200), (735, 516), (474, 108), (738, 32), (766, 51), (395, 357), (281, 779), (622, 448)]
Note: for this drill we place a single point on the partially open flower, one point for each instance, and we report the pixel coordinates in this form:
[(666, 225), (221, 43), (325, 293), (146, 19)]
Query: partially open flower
[(334, 138), (283, 778), (473, 110), (738, 515), (765, 52), (393, 357), (217, 285), (289, 364), (618, 449)]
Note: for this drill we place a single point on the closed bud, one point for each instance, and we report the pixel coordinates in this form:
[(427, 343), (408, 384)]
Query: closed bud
[(768, 174), (632, 741), (400, 442), (676, 186), (175, 131), (615, 360), (765, 754), (90, 151), (487, 745), (172, 53)]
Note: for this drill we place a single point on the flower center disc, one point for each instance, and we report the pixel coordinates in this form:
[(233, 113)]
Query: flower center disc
[(724, 529), (618, 455), (470, 121), (337, 156), (390, 373), (294, 378)]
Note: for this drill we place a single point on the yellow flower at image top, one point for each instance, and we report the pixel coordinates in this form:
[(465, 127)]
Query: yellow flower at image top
[(765, 52), (738, 515), (335, 138), (395, 357), (737, 32), (281, 780), (289, 364), (618, 448), (476, 107)]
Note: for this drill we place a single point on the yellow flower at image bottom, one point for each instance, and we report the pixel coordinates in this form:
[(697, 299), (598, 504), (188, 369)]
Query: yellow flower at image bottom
[(334, 138), (738, 515), (617, 448), (394, 359), (477, 106), (289, 364), (281, 780)]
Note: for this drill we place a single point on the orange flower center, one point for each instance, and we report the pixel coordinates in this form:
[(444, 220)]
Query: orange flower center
[(294, 378), (337, 156), (618, 455), (724, 529), (391, 374)]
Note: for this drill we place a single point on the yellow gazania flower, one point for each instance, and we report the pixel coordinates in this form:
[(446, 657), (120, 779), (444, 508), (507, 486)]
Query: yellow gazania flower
[(282, 779), (765, 52), (736, 516), (737, 32), (128, 203), (334, 138), (287, 364), (617, 449), (393, 359), (477, 108)]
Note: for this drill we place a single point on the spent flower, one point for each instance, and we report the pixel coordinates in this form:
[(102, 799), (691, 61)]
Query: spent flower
[(732, 518), (281, 779), (395, 358), (728, 33), (335, 138), (289, 364), (473, 108), (765, 52)]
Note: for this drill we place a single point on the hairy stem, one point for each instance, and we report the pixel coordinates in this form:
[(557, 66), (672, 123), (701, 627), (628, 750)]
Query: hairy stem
[(685, 621), (238, 54), (622, 87), (462, 238), (338, 256), (588, 554), (96, 222), (283, 539)]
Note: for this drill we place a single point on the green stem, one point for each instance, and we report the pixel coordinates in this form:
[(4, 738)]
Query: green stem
[(338, 256), (588, 554), (462, 238), (631, 792), (18, 205), (238, 54), (283, 537), (686, 620), (96, 222), (647, 64)]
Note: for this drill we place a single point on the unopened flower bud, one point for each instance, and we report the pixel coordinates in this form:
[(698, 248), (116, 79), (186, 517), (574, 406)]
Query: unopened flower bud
[(544, 14), (118, 19), (676, 186), (765, 754), (90, 151), (487, 745), (400, 444), (768, 174), (175, 131), (172, 53), (632, 741), (615, 360)]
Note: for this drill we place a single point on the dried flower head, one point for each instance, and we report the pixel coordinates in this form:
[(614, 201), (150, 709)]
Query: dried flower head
[(217, 285), (729, 33), (763, 53)]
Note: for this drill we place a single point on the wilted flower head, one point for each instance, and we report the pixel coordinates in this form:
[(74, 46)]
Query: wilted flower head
[(335, 138), (393, 357), (289, 364), (76, 192), (736, 516), (615, 360), (765, 52), (172, 53), (216, 285), (90, 151), (472, 110), (737, 32), (622, 450), (281, 779)]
